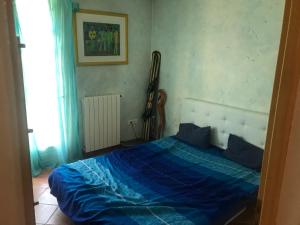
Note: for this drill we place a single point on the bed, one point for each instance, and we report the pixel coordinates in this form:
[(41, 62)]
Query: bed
[(166, 181)]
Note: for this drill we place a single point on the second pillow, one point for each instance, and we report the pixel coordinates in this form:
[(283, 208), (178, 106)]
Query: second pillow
[(194, 135)]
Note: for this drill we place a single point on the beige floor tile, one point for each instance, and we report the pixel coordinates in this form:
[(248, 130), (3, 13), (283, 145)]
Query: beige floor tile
[(42, 178), (58, 218), (44, 212), (40, 184), (47, 198), (38, 190)]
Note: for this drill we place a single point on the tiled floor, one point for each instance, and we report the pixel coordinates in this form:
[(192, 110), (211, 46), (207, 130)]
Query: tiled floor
[(47, 211)]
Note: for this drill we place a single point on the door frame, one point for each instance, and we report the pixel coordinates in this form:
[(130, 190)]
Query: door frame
[(286, 84)]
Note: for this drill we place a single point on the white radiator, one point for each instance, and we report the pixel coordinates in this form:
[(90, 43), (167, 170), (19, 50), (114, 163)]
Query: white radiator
[(101, 118)]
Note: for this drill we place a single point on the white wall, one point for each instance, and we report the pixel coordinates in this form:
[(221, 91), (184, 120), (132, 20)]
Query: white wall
[(221, 51), (129, 80)]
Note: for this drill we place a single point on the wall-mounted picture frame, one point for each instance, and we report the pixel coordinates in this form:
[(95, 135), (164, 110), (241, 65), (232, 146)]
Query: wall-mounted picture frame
[(101, 37)]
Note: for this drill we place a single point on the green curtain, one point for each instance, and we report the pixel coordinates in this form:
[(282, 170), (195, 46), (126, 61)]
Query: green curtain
[(49, 81), (61, 12), (16, 19)]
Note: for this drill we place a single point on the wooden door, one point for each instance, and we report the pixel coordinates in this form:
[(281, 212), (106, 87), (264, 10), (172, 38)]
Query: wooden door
[(16, 205), (282, 114)]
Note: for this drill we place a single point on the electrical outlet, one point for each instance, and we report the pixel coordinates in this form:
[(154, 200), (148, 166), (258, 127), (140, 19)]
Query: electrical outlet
[(132, 122)]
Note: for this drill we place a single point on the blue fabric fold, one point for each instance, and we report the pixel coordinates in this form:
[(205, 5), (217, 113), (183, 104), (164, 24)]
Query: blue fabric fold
[(161, 182)]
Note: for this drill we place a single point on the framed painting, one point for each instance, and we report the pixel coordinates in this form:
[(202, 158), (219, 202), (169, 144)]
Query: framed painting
[(101, 38)]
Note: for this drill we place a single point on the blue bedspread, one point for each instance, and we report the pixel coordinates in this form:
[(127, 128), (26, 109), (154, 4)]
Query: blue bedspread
[(161, 182)]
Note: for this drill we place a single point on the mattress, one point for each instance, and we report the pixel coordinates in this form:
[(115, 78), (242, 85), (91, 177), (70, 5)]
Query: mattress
[(160, 182)]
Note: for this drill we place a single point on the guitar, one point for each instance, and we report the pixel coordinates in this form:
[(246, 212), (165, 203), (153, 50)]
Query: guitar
[(162, 98)]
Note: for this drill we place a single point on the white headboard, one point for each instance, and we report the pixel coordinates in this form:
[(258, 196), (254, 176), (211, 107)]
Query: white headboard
[(223, 119)]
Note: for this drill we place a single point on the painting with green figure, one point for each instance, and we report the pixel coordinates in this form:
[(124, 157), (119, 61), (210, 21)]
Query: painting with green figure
[(101, 39)]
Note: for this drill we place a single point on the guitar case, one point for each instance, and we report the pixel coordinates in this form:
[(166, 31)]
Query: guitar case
[(149, 115)]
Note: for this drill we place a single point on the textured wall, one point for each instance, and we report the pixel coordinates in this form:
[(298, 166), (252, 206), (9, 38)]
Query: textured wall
[(222, 51), (129, 80)]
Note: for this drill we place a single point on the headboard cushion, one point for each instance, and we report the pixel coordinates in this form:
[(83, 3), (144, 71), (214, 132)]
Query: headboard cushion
[(224, 120)]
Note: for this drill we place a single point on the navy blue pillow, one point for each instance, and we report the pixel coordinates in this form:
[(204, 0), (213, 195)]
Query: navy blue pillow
[(194, 135), (185, 129), (244, 153)]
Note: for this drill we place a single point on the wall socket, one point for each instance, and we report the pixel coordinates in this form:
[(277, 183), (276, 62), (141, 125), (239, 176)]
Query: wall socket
[(133, 122)]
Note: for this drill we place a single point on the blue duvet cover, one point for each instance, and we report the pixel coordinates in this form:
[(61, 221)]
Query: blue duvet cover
[(161, 182)]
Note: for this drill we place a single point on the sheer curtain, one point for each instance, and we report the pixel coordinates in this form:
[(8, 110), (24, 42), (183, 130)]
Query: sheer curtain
[(50, 81)]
